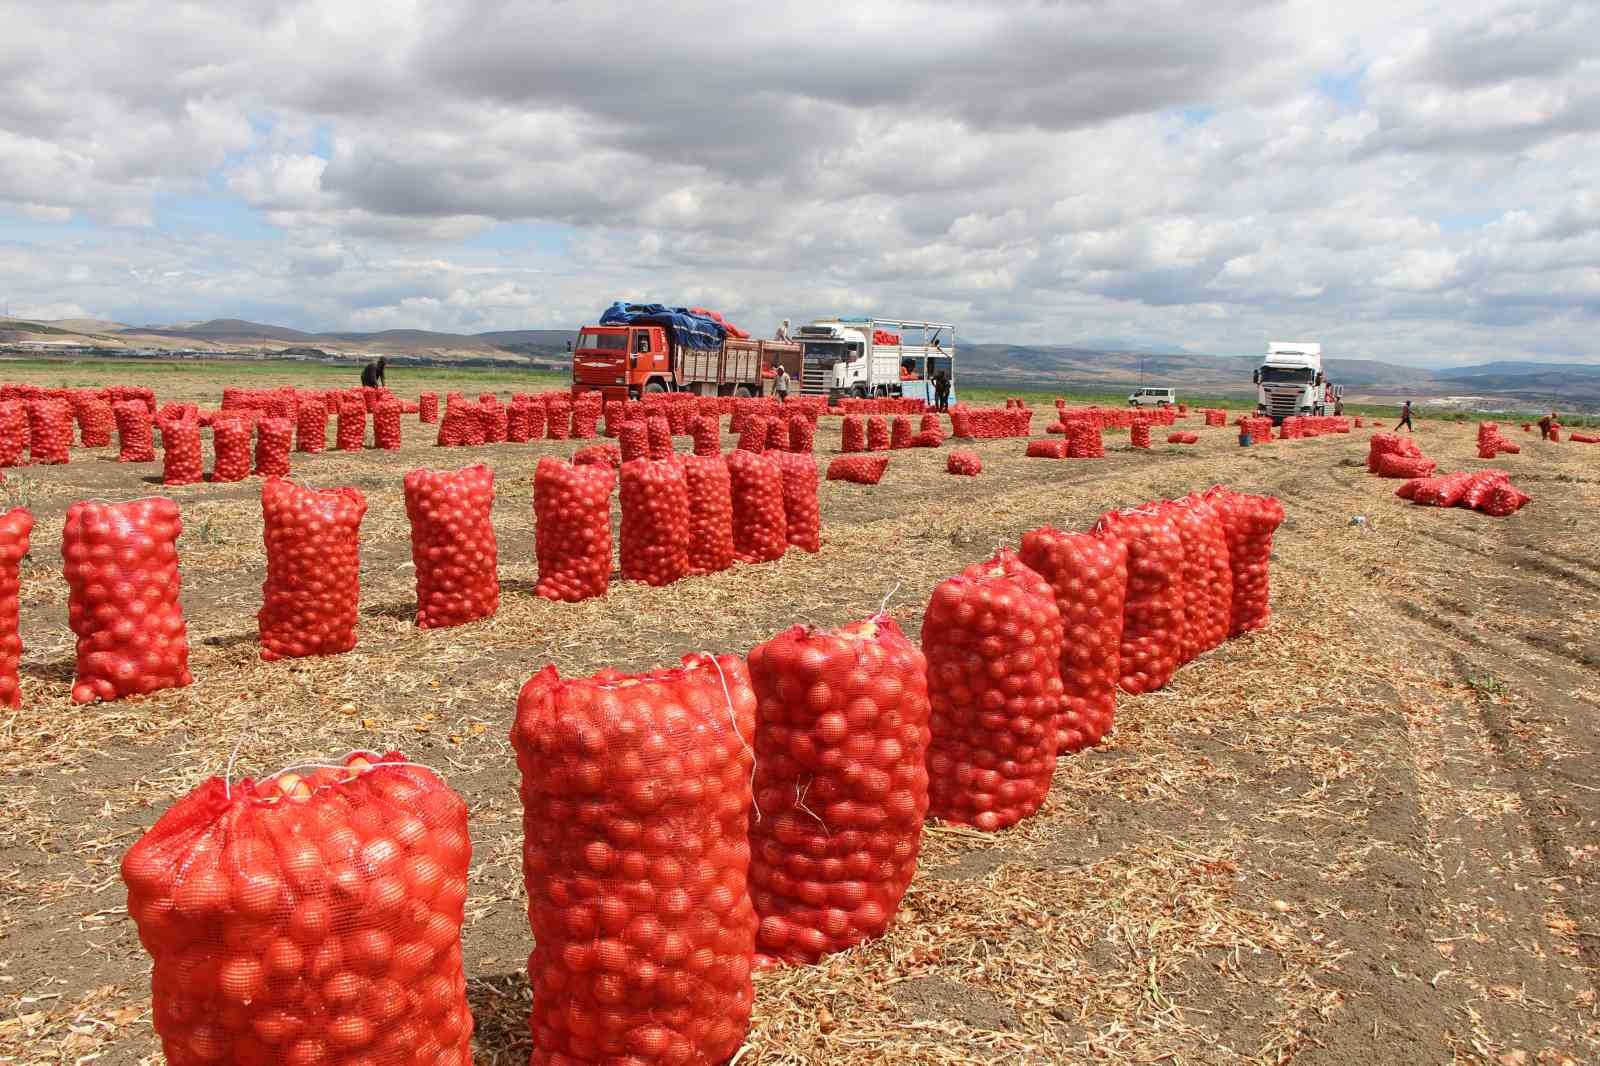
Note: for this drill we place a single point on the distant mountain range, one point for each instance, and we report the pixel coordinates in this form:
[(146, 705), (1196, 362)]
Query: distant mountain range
[(1101, 365)]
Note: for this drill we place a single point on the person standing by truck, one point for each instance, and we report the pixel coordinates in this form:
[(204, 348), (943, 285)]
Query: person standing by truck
[(941, 391), (1405, 418), (781, 387)]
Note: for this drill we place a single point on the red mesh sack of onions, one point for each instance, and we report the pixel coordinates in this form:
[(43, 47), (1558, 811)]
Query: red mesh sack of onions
[(453, 545), (49, 431), (536, 420), (95, 421), (598, 455), (802, 434), (1208, 573), (491, 419), (633, 440), (517, 420), (760, 533), (121, 566), (311, 425), (963, 462), (1503, 500), (660, 434), (1249, 522), (572, 535), (900, 433), (15, 526), (312, 595), (1089, 576), (802, 513), (1183, 438), (1443, 491), (992, 637), (136, 440), (558, 417), (853, 435), (1139, 434), (180, 452), (655, 521), (710, 492), (230, 446), (1153, 610), (841, 785), (273, 437), (930, 421), (1480, 484), (428, 407), (1044, 448), (635, 798), (386, 424), (15, 433), (861, 469), (777, 434), (707, 431), (1084, 440), (753, 437), (350, 431), (877, 433), (309, 917), (586, 417)]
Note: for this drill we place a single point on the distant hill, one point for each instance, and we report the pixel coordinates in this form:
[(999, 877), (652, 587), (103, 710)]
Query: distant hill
[(234, 330)]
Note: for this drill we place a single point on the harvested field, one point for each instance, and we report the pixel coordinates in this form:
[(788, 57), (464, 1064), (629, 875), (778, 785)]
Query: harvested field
[(1369, 833)]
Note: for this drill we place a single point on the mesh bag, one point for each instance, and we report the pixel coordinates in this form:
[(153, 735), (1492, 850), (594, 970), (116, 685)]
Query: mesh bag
[(633, 439), (707, 430), (312, 595), (802, 512), (1153, 610), (660, 433), (853, 435), (1249, 522), (453, 545), (517, 420), (536, 421), (386, 424), (350, 431), (1206, 615), (993, 639), (586, 417), (121, 566), (963, 462), (710, 491), (230, 445), (180, 453), (1443, 491), (95, 421), (1391, 465), (930, 421), (136, 441), (877, 434), (15, 526), (753, 437), (1089, 576), (1381, 444), (428, 408), (558, 417), (311, 426), (272, 447), (931, 438), (598, 455), (49, 431), (841, 785), (655, 521), (1504, 500), (1044, 448), (492, 416), (308, 919), (861, 469), (759, 531), (1084, 440), (572, 537), (635, 798), (777, 434), (1480, 484), (900, 432), (14, 434), (1139, 434), (802, 434)]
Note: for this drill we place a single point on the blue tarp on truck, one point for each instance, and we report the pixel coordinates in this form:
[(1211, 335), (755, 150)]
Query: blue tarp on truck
[(688, 329)]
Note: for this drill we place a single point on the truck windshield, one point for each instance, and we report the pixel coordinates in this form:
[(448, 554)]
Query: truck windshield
[(826, 353), (1287, 375), (612, 342)]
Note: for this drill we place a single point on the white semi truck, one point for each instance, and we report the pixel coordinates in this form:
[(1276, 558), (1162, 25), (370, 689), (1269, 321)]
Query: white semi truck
[(1291, 381), (863, 357)]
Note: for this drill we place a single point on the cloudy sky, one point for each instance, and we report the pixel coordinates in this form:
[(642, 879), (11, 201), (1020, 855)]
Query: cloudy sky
[(1407, 181)]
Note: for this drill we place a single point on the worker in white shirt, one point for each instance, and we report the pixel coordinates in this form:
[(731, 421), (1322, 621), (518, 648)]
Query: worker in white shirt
[(783, 331)]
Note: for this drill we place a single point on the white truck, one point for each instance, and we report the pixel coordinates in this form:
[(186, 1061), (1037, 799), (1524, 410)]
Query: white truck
[(1291, 381), (864, 357)]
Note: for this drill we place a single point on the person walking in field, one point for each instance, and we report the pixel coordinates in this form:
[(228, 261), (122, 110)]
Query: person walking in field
[(1405, 418), (1546, 423), (372, 374)]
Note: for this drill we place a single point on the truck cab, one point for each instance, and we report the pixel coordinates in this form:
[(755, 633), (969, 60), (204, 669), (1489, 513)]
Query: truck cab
[(1291, 381), (862, 357), (623, 362)]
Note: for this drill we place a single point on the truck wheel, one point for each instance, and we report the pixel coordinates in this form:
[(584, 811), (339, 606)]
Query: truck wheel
[(654, 386), (744, 392)]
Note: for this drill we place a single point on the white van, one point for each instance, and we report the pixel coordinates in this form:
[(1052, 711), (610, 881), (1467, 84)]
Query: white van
[(1151, 398)]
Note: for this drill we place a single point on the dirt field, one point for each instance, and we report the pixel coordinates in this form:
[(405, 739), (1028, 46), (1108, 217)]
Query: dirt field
[(1369, 833)]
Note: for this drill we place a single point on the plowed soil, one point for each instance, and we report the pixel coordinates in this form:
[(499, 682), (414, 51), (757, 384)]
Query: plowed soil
[(1368, 833)]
